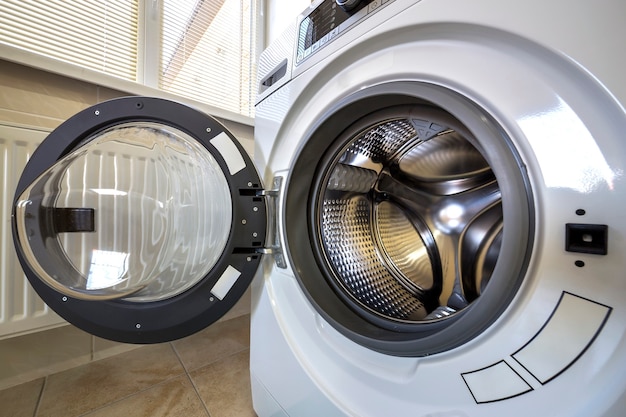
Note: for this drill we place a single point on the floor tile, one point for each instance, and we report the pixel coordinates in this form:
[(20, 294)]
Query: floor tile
[(241, 308), (214, 343), (173, 398), (103, 348), (224, 386), (88, 387), (21, 401), (42, 353)]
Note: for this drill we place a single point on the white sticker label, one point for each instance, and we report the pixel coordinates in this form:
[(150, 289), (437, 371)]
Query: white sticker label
[(495, 383), (225, 283), (568, 333), (229, 151)]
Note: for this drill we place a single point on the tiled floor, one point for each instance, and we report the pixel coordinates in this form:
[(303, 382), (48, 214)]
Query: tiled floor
[(205, 375)]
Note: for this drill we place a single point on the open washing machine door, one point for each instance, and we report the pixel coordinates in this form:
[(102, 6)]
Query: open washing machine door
[(140, 220)]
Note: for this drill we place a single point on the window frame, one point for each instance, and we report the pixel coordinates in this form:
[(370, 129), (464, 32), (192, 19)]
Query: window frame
[(146, 84)]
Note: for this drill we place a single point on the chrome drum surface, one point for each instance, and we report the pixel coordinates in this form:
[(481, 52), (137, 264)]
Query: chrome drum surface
[(418, 223), (411, 217)]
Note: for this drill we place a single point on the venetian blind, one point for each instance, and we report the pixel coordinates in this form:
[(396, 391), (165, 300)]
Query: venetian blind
[(208, 51), (101, 35)]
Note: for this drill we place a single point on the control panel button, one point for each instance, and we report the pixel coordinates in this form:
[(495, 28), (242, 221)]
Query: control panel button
[(373, 6)]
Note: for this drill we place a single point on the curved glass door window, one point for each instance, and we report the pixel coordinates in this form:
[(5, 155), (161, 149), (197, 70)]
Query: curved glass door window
[(141, 211)]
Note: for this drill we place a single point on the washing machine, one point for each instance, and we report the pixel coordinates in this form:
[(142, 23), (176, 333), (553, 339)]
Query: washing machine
[(432, 224)]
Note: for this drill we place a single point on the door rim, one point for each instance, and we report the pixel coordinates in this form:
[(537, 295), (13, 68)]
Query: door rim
[(214, 295)]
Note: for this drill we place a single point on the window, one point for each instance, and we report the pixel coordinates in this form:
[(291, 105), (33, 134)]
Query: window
[(207, 52), (203, 50), (96, 34)]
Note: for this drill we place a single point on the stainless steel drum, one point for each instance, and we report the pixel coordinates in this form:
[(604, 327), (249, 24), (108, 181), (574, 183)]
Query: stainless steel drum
[(410, 216), (418, 217)]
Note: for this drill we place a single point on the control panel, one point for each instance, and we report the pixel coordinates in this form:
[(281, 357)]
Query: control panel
[(329, 20)]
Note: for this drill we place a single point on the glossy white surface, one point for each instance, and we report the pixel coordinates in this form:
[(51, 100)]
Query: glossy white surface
[(550, 75)]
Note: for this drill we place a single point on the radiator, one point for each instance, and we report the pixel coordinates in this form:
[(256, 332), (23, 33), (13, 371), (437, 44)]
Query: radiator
[(21, 309)]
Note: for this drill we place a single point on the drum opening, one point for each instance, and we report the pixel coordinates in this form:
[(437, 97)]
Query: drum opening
[(409, 218), (410, 215)]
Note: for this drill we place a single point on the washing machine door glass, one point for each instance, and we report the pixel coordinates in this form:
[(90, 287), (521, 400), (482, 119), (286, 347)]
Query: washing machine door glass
[(132, 206), (124, 218)]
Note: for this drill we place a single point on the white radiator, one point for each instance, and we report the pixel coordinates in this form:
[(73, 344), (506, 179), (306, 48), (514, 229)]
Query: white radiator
[(21, 309)]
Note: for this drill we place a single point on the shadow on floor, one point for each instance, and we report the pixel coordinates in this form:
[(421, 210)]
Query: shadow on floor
[(206, 374)]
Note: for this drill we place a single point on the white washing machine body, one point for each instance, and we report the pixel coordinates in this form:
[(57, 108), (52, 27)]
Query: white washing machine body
[(549, 75), (435, 207)]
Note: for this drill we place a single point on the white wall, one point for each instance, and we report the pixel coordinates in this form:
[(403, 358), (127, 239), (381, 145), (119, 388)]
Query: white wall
[(280, 14)]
